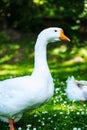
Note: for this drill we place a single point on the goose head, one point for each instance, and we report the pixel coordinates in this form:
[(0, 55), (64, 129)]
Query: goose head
[(53, 34)]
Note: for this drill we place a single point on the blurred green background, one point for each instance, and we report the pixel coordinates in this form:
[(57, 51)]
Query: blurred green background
[(20, 23), (34, 15)]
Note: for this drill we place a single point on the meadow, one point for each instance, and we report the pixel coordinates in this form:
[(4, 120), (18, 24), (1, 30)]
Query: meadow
[(64, 60)]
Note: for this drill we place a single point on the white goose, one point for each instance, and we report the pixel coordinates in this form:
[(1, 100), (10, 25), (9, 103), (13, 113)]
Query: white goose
[(29, 92), (76, 90)]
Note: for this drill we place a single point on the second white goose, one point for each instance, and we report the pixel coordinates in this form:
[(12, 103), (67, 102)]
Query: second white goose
[(76, 90)]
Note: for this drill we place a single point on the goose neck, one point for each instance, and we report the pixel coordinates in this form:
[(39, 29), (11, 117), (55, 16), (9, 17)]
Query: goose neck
[(40, 54)]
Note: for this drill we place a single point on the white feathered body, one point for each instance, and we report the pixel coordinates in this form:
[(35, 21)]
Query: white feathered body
[(29, 92), (76, 90), (26, 93)]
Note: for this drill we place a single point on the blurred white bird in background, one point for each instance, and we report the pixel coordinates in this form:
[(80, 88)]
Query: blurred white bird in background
[(76, 90)]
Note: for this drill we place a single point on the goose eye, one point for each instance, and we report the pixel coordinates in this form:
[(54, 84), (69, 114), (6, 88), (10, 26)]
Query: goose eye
[(55, 30)]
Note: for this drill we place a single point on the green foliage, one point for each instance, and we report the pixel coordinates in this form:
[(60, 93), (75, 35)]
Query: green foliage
[(33, 15), (4, 37)]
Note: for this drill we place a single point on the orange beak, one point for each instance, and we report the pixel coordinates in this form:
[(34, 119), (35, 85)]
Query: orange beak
[(63, 37)]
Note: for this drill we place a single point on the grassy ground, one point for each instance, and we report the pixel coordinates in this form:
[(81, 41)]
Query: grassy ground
[(64, 59)]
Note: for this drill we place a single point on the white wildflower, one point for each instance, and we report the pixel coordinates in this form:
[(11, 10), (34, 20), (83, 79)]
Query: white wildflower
[(78, 113), (35, 115), (61, 112), (19, 128), (28, 127), (51, 121), (55, 115), (34, 129), (79, 128), (82, 113), (75, 128)]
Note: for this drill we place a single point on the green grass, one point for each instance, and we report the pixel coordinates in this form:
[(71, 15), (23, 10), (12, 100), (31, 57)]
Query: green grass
[(64, 59)]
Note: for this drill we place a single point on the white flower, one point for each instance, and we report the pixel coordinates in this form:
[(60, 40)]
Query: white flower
[(68, 112), (82, 113), (42, 123), (73, 100), (49, 118), (61, 112), (79, 128), (44, 112), (66, 117), (85, 125), (75, 128), (54, 101), (65, 124), (51, 121), (39, 120), (19, 128), (43, 118), (35, 115), (61, 99), (84, 105), (29, 125), (65, 102), (57, 89), (78, 113), (55, 115), (34, 129)]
